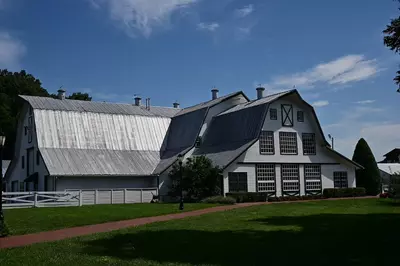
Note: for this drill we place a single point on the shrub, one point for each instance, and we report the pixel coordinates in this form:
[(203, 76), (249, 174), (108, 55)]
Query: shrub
[(248, 196), (219, 200), (369, 177), (344, 192)]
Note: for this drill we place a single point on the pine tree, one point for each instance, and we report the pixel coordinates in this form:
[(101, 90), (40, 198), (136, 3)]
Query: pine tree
[(369, 177)]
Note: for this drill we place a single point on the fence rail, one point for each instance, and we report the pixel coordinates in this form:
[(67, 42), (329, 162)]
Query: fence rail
[(75, 197)]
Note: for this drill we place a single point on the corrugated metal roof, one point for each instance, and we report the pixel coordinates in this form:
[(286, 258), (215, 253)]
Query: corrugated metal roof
[(86, 130), (87, 162), (390, 168), (207, 104), (5, 164), (46, 103)]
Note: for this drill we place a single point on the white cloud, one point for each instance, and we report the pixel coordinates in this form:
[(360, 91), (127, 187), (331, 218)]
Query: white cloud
[(11, 51), (364, 122), (208, 26), (244, 11), (142, 15), (365, 102), (320, 103), (344, 70)]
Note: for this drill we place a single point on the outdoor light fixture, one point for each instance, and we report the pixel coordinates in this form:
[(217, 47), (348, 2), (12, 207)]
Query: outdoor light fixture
[(2, 225), (331, 138), (180, 161)]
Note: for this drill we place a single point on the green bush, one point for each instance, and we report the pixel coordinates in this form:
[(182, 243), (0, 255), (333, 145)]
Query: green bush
[(219, 200), (241, 197), (344, 192)]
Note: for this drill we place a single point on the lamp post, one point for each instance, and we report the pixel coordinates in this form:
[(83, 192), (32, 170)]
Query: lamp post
[(332, 140), (2, 225), (180, 161)]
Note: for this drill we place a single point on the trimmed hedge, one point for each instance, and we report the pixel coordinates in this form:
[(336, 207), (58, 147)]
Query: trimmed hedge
[(219, 200), (344, 192), (248, 196), (295, 198)]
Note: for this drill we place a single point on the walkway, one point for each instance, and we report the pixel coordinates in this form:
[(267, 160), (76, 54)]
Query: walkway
[(24, 240)]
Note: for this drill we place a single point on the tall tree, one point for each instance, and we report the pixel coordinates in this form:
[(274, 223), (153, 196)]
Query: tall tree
[(392, 40), (369, 177), (80, 96), (13, 84)]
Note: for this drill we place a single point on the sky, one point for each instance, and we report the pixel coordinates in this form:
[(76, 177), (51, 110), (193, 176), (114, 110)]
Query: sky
[(332, 52)]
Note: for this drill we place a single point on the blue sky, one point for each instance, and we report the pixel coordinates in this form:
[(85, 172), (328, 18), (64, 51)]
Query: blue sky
[(168, 50)]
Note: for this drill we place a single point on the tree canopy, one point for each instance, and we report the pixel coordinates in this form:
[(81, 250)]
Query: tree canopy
[(200, 178), (392, 41), (369, 177), (13, 84)]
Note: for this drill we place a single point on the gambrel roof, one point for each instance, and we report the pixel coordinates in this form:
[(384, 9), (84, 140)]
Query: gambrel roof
[(80, 138)]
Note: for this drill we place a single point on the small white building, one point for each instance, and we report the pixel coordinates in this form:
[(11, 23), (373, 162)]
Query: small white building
[(272, 144)]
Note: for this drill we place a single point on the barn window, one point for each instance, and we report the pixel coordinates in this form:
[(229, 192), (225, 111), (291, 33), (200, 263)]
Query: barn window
[(300, 116), (237, 182), (30, 129), (288, 142), (37, 157), (312, 177), (287, 115), (265, 177), (273, 114), (23, 162), (290, 178), (340, 179), (267, 142), (309, 144)]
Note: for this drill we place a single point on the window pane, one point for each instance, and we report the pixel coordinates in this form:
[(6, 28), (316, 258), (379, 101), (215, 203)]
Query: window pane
[(312, 177), (265, 177), (309, 144), (288, 142), (237, 182), (340, 179), (290, 177), (267, 142), (300, 116), (287, 115), (273, 114)]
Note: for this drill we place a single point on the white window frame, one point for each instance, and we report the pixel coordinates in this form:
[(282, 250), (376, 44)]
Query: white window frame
[(340, 179), (309, 143), (312, 178), (290, 177), (266, 178), (267, 143), (288, 137)]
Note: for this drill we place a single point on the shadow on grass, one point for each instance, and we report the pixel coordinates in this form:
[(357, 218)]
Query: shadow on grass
[(390, 202), (327, 239)]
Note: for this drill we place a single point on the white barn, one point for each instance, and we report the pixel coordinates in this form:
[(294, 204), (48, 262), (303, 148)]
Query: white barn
[(271, 144)]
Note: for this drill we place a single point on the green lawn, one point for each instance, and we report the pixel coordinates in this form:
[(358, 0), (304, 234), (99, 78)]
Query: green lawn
[(349, 232), (24, 221)]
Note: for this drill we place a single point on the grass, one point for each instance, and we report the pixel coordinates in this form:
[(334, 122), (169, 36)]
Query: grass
[(32, 220), (349, 232)]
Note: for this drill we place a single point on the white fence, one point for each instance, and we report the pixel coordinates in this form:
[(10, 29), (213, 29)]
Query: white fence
[(75, 197)]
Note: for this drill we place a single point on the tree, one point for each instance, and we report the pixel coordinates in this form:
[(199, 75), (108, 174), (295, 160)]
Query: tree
[(369, 177), (75, 96), (392, 40), (13, 84), (200, 178)]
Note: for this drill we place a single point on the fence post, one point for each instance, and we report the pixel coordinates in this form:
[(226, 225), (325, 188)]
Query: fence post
[(95, 197), (80, 198), (141, 195), (35, 200), (125, 196), (112, 193)]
